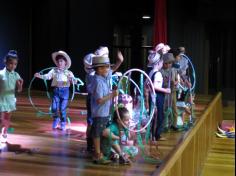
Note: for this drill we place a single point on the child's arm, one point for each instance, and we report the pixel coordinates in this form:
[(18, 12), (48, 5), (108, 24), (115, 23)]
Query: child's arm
[(107, 133), (47, 76), (120, 59), (107, 97), (19, 85), (71, 77), (158, 84)]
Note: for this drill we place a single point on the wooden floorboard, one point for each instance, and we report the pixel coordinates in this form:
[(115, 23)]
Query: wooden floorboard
[(34, 149), (221, 158)]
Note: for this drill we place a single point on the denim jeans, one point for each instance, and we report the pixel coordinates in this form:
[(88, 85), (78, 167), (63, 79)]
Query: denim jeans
[(59, 102)]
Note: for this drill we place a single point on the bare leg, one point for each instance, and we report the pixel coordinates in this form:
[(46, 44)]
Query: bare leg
[(5, 119), (96, 142), (117, 148)]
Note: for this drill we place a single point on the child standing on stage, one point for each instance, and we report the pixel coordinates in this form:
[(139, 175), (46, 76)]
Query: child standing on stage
[(61, 80), (89, 74), (170, 80), (101, 51), (158, 52), (157, 79), (9, 82), (101, 100)]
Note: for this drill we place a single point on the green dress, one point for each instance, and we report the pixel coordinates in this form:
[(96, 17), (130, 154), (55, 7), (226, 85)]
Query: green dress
[(7, 90), (107, 143)]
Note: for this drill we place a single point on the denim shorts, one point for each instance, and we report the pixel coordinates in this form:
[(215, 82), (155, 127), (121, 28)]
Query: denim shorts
[(98, 125)]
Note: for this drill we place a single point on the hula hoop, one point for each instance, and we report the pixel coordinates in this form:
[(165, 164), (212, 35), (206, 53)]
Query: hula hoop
[(29, 94), (152, 87), (81, 83), (129, 80), (193, 70)]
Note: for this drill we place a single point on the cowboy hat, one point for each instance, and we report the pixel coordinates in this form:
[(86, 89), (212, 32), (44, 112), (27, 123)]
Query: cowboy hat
[(99, 61), (168, 57), (102, 51), (88, 60), (159, 47), (165, 49), (66, 56), (153, 58)]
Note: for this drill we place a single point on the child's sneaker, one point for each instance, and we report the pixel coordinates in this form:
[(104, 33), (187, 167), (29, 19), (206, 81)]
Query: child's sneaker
[(3, 138), (124, 160), (55, 123), (63, 126), (114, 157)]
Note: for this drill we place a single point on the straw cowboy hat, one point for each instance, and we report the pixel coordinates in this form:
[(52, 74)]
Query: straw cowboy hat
[(153, 58), (99, 61), (168, 57), (62, 53)]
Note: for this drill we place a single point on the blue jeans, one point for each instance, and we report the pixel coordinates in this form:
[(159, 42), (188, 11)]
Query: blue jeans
[(59, 102)]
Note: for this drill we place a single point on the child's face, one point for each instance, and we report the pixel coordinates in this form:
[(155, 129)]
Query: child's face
[(177, 58), (11, 64), (167, 65), (61, 63), (103, 70), (125, 119)]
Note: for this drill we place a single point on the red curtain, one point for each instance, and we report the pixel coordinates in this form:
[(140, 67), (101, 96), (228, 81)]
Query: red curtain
[(160, 22)]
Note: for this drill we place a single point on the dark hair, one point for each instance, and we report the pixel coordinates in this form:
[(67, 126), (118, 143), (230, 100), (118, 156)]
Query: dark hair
[(122, 111), (60, 57), (175, 51), (12, 54)]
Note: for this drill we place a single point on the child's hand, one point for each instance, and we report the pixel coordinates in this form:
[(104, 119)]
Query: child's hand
[(168, 90), (115, 93), (37, 75), (189, 85), (19, 85), (120, 57)]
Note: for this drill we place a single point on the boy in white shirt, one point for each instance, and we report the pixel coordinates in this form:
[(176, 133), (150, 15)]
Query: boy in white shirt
[(61, 80)]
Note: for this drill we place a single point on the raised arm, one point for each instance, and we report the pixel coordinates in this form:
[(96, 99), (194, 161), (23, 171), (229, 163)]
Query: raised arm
[(119, 61)]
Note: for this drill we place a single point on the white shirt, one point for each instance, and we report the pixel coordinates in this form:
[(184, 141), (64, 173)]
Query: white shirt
[(158, 79), (60, 78)]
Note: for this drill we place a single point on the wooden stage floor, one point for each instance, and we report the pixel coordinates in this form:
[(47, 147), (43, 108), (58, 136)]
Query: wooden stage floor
[(34, 149)]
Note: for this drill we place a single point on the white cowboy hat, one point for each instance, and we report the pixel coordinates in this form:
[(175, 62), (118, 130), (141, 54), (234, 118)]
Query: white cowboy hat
[(159, 47), (88, 61), (100, 61), (166, 49), (102, 51), (62, 53), (153, 58)]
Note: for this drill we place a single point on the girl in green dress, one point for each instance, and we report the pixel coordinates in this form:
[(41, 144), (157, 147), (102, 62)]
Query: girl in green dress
[(10, 81)]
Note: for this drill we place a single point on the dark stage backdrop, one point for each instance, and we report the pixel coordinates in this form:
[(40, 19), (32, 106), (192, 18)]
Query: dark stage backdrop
[(37, 29), (15, 32), (77, 27), (205, 27)]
